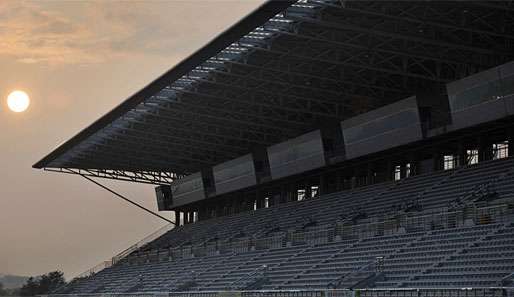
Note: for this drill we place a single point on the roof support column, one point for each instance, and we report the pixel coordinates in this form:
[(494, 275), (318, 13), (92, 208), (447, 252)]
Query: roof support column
[(177, 217)]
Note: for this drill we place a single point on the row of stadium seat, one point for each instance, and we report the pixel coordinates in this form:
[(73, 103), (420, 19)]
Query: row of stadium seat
[(433, 192), (327, 241), (465, 256)]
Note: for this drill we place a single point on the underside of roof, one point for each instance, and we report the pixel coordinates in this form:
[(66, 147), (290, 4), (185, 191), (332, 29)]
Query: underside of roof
[(284, 70)]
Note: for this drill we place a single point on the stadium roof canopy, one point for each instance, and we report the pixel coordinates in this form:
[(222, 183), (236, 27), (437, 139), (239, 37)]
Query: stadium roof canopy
[(284, 70)]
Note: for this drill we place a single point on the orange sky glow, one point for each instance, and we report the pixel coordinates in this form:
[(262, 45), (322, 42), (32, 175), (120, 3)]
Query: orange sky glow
[(77, 60)]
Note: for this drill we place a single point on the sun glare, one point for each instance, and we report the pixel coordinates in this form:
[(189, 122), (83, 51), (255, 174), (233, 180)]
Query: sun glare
[(18, 101)]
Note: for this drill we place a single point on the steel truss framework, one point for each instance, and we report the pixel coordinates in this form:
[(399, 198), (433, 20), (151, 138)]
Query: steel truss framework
[(282, 71), (145, 177)]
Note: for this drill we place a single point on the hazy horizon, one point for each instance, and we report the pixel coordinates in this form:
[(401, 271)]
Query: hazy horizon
[(77, 60)]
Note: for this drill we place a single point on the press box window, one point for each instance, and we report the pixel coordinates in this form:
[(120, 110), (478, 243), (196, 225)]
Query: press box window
[(501, 150), (471, 157), (300, 194), (450, 162), (314, 191), (397, 172)]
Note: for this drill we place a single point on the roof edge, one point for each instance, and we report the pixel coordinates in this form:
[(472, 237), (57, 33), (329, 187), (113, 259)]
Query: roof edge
[(256, 18)]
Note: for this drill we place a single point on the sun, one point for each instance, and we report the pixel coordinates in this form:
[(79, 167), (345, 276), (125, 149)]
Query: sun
[(18, 101)]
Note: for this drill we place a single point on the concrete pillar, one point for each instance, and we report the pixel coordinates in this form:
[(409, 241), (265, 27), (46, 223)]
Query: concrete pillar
[(389, 169), (308, 190), (283, 193), (462, 154), (484, 149), (275, 198), (369, 174), (260, 199), (510, 138), (437, 161), (235, 205), (249, 203), (177, 217), (340, 181), (413, 160), (323, 184)]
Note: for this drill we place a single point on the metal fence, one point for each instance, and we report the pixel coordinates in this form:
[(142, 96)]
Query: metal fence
[(322, 234), (427, 222), (342, 231), (270, 242), (99, 267), (400, 292), (161, 231)]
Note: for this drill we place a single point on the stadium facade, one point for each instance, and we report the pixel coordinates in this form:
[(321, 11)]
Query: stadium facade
[(321, 148)]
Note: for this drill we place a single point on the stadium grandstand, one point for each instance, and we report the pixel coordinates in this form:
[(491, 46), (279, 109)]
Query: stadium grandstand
[(321, 148)]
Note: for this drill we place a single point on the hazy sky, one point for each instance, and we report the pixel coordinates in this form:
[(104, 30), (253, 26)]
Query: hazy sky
[(77, 60)]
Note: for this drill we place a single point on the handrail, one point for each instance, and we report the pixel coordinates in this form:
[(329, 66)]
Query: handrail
[(95, 269), (345, 276), (106, 264), (476, 192), (362, 225), (249, 275), (295, 292), (152, 236), (191, 275), (454, 218), (510, 275)]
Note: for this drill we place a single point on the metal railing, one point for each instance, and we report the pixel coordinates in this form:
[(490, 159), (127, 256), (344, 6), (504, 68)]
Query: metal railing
[(403, 223), (311, 237), (259, 272), (108, 263), (508, 280), (399, 292), (368, 267), (276, 241), (153, 236), (491, 214), (427, 222), (93, 270), (340, 231)]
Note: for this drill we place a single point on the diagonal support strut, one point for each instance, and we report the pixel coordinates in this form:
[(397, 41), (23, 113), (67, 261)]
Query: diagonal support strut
[(123, 197)]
